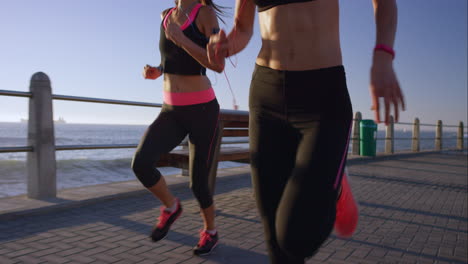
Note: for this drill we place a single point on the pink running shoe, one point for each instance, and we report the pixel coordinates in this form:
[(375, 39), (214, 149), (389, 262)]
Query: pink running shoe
[(347, 213), (206, 244), (165, 220)]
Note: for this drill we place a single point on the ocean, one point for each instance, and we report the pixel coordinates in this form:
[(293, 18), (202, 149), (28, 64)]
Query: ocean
[(76, 168)]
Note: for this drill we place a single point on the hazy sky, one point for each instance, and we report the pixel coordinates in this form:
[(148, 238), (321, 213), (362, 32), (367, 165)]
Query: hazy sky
[(98, 49)]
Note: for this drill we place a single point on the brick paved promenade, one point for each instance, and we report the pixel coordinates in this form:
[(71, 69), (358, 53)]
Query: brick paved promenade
[(413, 210)]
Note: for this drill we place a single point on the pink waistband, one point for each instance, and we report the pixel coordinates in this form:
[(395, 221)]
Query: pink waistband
[(189, 98)]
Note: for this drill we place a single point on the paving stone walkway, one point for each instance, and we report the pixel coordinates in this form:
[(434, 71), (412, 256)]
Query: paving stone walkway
[(413, 209)]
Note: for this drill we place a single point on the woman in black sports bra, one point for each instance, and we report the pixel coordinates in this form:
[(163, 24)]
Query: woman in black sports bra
[(190, 108), (300, 117)]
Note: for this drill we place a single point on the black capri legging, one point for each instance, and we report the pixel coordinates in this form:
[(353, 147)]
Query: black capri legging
[(200, 122), (299, 130)]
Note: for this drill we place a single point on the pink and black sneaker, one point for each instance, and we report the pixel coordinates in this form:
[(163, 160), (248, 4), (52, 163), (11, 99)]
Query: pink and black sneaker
[(347, 213), (165, 220), (206, 244)]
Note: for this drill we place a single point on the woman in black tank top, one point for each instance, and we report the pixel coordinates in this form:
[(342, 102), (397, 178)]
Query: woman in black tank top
[(190, 109)]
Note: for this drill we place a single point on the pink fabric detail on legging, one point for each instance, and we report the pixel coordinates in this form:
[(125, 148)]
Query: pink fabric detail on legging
[(189, 20), (340, 170), (189, 98)]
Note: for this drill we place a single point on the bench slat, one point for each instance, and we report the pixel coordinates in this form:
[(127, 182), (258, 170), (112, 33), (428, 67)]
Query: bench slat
[(236, 124), (235, 133)]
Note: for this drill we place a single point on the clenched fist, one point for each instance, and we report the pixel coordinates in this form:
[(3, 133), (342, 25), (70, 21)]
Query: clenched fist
[(152, 73)]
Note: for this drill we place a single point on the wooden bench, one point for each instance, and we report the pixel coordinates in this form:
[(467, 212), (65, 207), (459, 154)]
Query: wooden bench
[(232, 124)]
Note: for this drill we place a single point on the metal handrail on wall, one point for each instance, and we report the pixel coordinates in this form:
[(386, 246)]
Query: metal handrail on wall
[(90, 100), (415, 146), (41, 153)]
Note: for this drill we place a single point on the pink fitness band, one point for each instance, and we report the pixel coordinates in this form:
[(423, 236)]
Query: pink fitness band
[(386, 49)]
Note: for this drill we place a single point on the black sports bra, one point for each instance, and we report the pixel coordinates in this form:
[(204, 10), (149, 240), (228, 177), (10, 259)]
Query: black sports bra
[(176, 60), (267, 4)]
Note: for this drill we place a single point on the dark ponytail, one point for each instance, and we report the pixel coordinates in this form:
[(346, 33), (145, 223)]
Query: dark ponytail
[(217, 8)]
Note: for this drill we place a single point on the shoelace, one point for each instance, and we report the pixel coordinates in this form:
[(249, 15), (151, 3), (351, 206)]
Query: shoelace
[(204, 238), (163, 217)]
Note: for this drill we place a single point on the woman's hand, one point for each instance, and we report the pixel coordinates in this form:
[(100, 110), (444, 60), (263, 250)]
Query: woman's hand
[(217, 48), (384, 84), (174, 33), (150, 72)]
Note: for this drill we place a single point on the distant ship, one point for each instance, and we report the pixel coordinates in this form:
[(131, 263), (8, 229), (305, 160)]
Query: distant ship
[(59, 121)]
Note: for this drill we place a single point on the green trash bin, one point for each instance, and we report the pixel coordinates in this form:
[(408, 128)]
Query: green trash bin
[(368, 135)]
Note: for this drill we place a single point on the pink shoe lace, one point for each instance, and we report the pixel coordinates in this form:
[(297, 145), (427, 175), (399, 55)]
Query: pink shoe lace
[(204, 237), (164, 216)]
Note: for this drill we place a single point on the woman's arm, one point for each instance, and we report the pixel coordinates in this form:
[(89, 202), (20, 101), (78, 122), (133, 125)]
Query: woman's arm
[(150, 72), (240, 35), (384, 82), (221, 46), (208, 24)]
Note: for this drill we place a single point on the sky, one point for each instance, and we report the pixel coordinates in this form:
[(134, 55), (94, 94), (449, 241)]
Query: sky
[(98, 49)]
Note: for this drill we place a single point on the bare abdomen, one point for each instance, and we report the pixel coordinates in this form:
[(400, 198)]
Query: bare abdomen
[(300, 36)]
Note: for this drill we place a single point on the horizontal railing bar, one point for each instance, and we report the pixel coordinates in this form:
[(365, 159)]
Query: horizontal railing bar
[(403, 123), (89, 147), (15, 93), (16, 149), (235, 142), (103, 101), (104, 146), (136, 103), (406, 123), (117, 146), (434, 125), (412, 138)]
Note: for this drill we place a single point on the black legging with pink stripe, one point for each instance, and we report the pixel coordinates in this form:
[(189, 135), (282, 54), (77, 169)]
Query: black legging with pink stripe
[(299, 130), (200, 122)]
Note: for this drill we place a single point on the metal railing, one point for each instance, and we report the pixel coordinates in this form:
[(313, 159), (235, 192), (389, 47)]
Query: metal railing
[(41, 152), (416, 139), (100, 101)]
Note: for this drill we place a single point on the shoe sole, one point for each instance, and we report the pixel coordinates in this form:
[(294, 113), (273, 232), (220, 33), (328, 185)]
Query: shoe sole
[(207, 253)]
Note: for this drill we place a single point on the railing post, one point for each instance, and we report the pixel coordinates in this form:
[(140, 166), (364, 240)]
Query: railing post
[(389, 137), (438, 137), (42, 180), (356, 136), (460, 142), (416, 135)]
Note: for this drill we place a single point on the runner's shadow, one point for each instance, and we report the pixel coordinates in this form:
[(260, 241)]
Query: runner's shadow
[(111, 211), (227, 254)]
